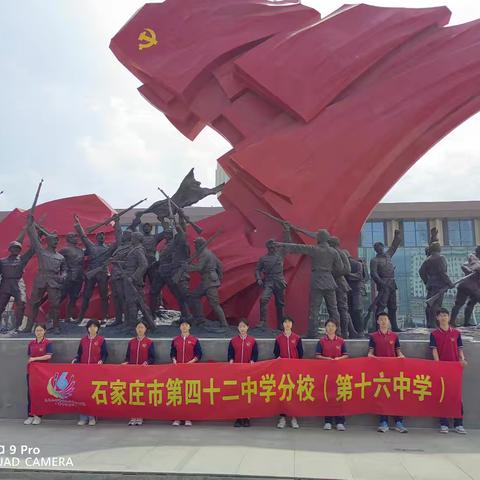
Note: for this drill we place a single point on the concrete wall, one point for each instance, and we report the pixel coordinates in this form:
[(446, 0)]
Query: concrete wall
[(13, 361)]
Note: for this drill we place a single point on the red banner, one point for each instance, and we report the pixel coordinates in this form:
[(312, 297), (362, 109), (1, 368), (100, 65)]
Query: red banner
[(201, 391)]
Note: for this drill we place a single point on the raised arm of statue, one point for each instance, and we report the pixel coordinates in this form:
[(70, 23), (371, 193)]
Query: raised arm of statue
[(397, 240)]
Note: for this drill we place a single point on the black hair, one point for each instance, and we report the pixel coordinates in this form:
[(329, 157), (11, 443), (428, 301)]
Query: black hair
[(141, 322), (442, 310), (289, 319), (93, 322), (185, 320), (331, 320), (243, 320), (382, 314), (42, 326)]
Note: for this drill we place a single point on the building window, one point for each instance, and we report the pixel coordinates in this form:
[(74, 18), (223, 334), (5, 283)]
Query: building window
[(372, 232), (460, 233), (415, 233)]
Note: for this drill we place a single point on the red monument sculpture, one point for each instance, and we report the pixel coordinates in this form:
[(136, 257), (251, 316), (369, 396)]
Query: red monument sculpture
[(323, 115)]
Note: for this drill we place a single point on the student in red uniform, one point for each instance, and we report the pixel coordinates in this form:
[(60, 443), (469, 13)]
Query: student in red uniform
[(385, 343), (91, 349), (39, 350), (185, 348), (140, 351), (288, 345), (242, 349), (331, 347), (447, 346)]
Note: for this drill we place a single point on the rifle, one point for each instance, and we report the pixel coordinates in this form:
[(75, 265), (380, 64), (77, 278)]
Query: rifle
[(432, 299), (35, 200), (176, 276), (92, 228), (306, 232), (197, 228)]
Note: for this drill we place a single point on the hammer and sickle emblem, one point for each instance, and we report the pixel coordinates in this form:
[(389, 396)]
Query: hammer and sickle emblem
[(148, 37)]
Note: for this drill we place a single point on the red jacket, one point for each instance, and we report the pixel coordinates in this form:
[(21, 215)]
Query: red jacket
[(39, 349), (140, 351), (185, 349), (92, 350), (288, 347), (243, 350)]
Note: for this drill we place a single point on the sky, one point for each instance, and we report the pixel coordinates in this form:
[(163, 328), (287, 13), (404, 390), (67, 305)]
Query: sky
[(71, 113)]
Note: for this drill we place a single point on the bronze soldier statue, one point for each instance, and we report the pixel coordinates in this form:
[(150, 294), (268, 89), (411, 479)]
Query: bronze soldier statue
[(356, 280), (269, 275), (211, 273), (468, 289), (118, 294), (98, 253), (343, 288), (12, 284), (74, 257), (134, 269), (150, 243), (382, 271), (433, 273), (49, 279), (325, 261)]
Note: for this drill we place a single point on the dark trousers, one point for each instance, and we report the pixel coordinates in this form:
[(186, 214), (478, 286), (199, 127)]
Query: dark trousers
[(278, 291), (19, 306), (346, 324), (384, 418), (317, 296), (457, 422), (71, 289), (387, 298), (178, 289), (355, 308), (100, 279), (464, 294), (36, 299), (213, 299), (431, 309), (118, 297), (337, 420)]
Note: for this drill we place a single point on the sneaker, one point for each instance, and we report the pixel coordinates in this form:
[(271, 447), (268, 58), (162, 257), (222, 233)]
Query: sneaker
[(28, 421), (176, 423), (238, 423), (294, 423), (341, 427), (327, 426), (460, 430), (443, 429), (246, 422), (139, 422), (132, 422), (383, 427), (400, 427), (92, 421), (36, 420), (82, 422), (188, 423), (281, 422)]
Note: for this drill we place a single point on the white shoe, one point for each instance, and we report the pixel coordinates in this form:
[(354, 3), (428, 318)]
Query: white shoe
[(28, 421), (281, 422), (139, 421), (443, 429), (82, 422), (176, 423), (327, 426), (188, 423), (341, 427), (460, 430), (294, 423), (36, 420), (92, 421)]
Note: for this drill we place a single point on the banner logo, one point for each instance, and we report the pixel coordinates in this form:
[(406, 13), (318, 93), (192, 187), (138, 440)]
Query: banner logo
[(148, 38), (61, 385)]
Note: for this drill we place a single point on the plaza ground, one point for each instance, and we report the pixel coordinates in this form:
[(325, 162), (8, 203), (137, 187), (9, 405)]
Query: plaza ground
[(217, 450)]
